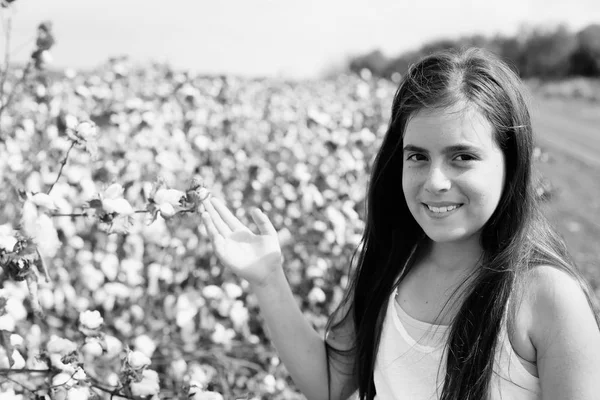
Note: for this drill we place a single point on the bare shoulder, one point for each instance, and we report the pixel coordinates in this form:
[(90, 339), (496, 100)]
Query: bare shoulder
[(562, 328), (555, 299)]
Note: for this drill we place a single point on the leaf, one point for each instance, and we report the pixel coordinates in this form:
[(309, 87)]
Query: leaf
[(42, 267), (95, 204), (32, 283), (114, 191)]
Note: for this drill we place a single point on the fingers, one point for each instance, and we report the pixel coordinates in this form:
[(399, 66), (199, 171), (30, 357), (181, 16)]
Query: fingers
[(212, 230), (262, 221), (227, 216), (215, 220)]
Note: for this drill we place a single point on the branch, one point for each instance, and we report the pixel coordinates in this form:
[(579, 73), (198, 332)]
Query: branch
[(68, 215), (112, 391), (19, 383), (94, 381), (62, 165), (23, 370)]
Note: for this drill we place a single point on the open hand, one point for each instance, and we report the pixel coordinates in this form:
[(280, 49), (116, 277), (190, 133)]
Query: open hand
[(251, 256)]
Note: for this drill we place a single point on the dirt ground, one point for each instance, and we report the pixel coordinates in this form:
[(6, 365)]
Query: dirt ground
[(569, 132)]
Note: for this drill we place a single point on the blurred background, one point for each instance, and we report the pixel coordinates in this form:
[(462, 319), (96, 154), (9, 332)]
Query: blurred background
[(296, 39), (113, 114)]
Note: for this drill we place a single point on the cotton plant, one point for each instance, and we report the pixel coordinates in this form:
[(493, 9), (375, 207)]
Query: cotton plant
[(140, 324)]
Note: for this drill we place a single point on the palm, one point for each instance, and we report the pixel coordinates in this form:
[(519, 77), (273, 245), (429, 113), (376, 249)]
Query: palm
[(244, 252), (251, 256)]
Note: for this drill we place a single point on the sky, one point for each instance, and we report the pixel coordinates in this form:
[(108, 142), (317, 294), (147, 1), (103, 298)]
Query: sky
[(301, 38)]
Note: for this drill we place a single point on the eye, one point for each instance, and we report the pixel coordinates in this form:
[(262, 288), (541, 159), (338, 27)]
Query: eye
[(465, 157), (416, 157)]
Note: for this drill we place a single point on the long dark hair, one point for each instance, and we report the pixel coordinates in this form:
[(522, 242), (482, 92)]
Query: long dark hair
[(515, 238)]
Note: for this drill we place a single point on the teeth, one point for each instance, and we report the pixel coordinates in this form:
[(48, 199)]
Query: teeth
[(442, 209)]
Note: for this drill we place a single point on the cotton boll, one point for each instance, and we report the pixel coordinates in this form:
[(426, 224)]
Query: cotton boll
[(43, 200), (79, 374), (113, 380), (316, 296), (45, 236), (270, 383), (178, 368), (15, 308), (16, 340), (232, 290), (18, 360), (123, 326), (110, 266), (133, 271), (78, 393), (59, 393), (7, 242), (212, 292), (137, 360), (137, 312), (222, 335), (60, 345), (166, 210), (91, 319), (198, 375), (7, 323), (92, 348), (168, 196), (118, 206), (9, 394), (113, 345), (148, 386), (145, 344), (63, 379), (186, 310), (46, 298), (238, 314), (92, 278)]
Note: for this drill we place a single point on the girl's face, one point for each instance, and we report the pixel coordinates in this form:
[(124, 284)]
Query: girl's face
[(453, 172)]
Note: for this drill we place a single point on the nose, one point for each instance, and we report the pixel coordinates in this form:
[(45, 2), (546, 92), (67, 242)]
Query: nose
[(437, 180)]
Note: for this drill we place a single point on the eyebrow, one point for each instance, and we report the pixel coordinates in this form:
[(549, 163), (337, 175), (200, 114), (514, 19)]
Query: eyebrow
[(449, 149)]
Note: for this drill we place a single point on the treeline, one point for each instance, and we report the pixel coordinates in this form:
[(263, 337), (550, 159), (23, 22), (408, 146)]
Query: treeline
[(534, 52)]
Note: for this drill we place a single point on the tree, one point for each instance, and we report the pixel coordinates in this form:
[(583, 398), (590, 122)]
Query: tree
[(585, 60), (547, 52), (375, 61)]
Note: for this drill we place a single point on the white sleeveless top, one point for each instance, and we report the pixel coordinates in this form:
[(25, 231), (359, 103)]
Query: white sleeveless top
[(408, 364)]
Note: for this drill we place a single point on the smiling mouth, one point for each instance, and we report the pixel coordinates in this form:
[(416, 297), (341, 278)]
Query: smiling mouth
[(442, 210)]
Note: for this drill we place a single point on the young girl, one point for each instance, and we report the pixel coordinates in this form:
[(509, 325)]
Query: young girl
[(462, 290)]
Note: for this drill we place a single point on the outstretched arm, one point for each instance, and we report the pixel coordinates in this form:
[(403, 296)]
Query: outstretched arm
[(257, 258)]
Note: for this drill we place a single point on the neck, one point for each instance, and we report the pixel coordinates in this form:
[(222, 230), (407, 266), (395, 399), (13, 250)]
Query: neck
[(455, 257)]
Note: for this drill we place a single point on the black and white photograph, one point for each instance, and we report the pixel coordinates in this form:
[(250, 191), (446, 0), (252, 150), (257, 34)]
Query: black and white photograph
[(299, 200)]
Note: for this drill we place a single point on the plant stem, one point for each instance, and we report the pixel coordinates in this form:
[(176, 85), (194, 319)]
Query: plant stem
[(62, 165), (18, 383), (113, 391), (68, 215), (24, 370)]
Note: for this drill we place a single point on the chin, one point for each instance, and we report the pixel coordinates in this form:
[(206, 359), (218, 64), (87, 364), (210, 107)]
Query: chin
[(441, 236)]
